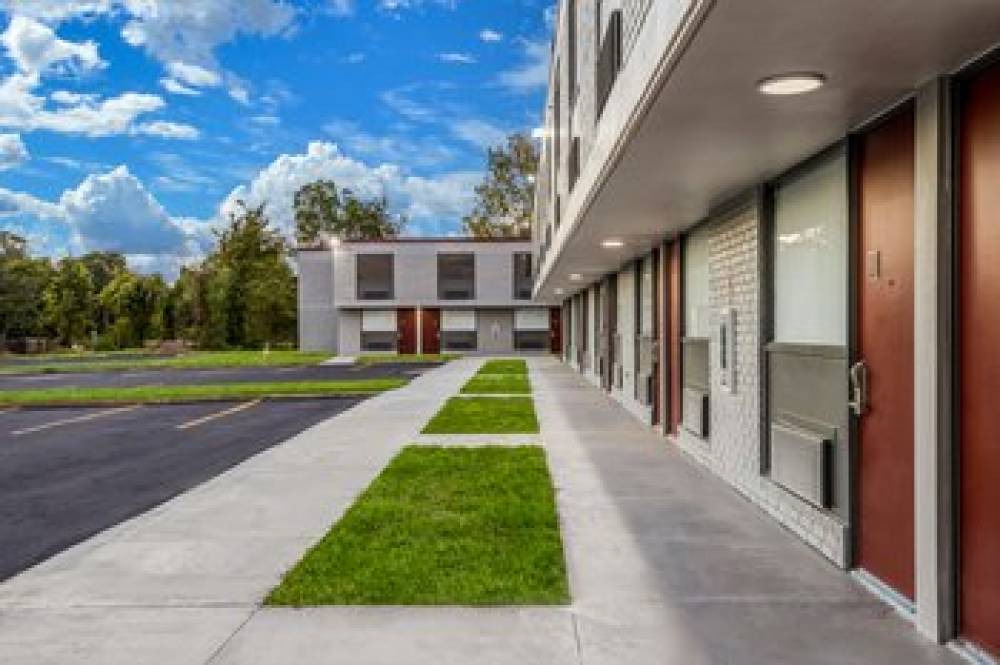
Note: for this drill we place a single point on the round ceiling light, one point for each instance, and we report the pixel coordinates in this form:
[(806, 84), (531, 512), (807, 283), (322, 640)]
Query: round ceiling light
[(559, 291), (613, 244), (575, 277), (798, 83)]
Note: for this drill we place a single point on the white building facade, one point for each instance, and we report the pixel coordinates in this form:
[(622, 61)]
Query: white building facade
[(422, 295), (773, 227)]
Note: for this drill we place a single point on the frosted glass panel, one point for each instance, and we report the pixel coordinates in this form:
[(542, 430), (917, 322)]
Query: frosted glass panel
[(378, 320), (531, 319), (810, 256), (696, 304), (458, 320), (647, 297)]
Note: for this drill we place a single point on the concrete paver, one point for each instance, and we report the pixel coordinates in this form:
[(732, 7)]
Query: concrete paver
[(667, 564)]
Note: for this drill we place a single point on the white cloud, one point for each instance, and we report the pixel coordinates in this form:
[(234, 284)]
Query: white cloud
[(35, 49), (341, 7), (457, 58), (425, 151), (355, 58), (533, 73), (176, 88), (479, 133), (423, 199), (113, 211), (167, 130), (13, 152), (193, 75), (489, 35), (57, 10), (36, 52)]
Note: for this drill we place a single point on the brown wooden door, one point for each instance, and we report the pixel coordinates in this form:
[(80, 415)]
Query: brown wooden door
[(979, 362), (674, 322), (555, 330), (430, 330), (406, 320), (885, 326)]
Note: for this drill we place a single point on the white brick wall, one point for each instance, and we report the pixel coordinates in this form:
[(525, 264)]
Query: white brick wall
[(733, 451)]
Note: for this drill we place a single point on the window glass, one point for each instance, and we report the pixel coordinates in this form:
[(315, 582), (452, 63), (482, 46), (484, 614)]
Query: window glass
[(522, 276), (535, 318), (375, 276), (456, 276), (696, 303), (810, 256)]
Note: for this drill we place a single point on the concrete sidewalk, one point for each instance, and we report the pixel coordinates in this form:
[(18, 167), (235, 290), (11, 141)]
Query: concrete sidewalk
[(667, 564)]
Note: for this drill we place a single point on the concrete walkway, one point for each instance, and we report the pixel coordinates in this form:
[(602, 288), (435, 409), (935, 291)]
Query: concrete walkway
[(667, 564)]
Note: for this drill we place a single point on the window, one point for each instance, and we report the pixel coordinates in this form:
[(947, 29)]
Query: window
[(571, 10), (378, 330), (696, 303), (456, 276), (522, 276), (531, 329), (458, 330), (609, 60), (810, 255), (375, 276)]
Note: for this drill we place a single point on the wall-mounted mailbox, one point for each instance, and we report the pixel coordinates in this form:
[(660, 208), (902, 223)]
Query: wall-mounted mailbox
[(727, 349)]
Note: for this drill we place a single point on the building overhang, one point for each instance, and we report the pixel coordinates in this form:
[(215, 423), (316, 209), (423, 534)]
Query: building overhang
[(702, 133)]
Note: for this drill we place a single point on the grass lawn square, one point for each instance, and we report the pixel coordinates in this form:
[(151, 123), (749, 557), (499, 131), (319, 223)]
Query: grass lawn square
[(498, 384), (485, 415), (441, 526), (509, 366)]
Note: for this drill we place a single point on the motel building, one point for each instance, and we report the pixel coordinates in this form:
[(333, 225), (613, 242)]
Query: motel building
[(423, 295), (774, 228)]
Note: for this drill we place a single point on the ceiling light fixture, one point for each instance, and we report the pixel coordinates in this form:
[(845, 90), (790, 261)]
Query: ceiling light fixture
[(795, 83), (575, 277), (613, 244), (560, 291)]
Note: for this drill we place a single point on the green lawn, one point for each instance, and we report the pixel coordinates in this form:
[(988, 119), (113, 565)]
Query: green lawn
[(441, 526), (156, 394), (388, 358), (190, 360), (510, 366), (485, 415), (498, 384)]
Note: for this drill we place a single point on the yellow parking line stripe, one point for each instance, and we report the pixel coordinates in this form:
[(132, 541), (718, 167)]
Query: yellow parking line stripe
[(77, 419), (220, 414)]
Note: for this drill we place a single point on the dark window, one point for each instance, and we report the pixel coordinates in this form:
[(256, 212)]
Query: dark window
[(459, 340), (531, 340), (557, 127), (571, 10), (574, 162), (456, 276), (378, 341), (375, 276), (609, 60), (522, 276)]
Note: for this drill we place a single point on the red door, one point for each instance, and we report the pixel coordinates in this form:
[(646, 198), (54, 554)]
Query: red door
[(430, 330), (555, 330), (406, 319), (979, 362), (885, 320), (672, 293)]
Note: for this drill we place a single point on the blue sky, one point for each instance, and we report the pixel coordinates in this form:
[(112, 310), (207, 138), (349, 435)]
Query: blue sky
[(134, 125)]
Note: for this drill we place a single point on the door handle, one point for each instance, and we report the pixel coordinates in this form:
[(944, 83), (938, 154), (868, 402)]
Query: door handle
[(859, 388)]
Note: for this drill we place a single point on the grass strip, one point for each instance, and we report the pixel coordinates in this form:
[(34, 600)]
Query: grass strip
[(509, 366), (191, 360), (394, 358), (441, 526), (497, 384), (154, 394), (485, 415)]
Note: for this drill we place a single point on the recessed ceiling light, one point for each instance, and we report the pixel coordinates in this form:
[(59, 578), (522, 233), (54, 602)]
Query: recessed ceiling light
[(560, 291), (613, 244), (575, 277), (798, 83)]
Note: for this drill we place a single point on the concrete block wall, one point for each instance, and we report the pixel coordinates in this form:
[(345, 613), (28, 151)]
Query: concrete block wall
[(733, 450), (317, 312)]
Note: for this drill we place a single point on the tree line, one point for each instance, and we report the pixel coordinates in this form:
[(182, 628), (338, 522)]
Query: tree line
[(242, 294)]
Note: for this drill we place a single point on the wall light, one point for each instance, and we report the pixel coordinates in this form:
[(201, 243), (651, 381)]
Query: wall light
[(613, 244), (796, 83)]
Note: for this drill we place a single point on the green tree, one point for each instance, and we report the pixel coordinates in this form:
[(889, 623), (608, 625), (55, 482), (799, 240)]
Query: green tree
[(103, 268), (68, 301), (505, 198), (322, 209), (12, 246), (22, 286), (135, 304)]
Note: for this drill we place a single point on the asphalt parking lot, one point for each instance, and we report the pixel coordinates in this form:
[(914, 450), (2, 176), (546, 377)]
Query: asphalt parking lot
[(177, 377), (66, 474)]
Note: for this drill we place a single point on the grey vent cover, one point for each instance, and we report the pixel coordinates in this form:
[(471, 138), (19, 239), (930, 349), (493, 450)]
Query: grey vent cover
[(800, 462), (694, 412)]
